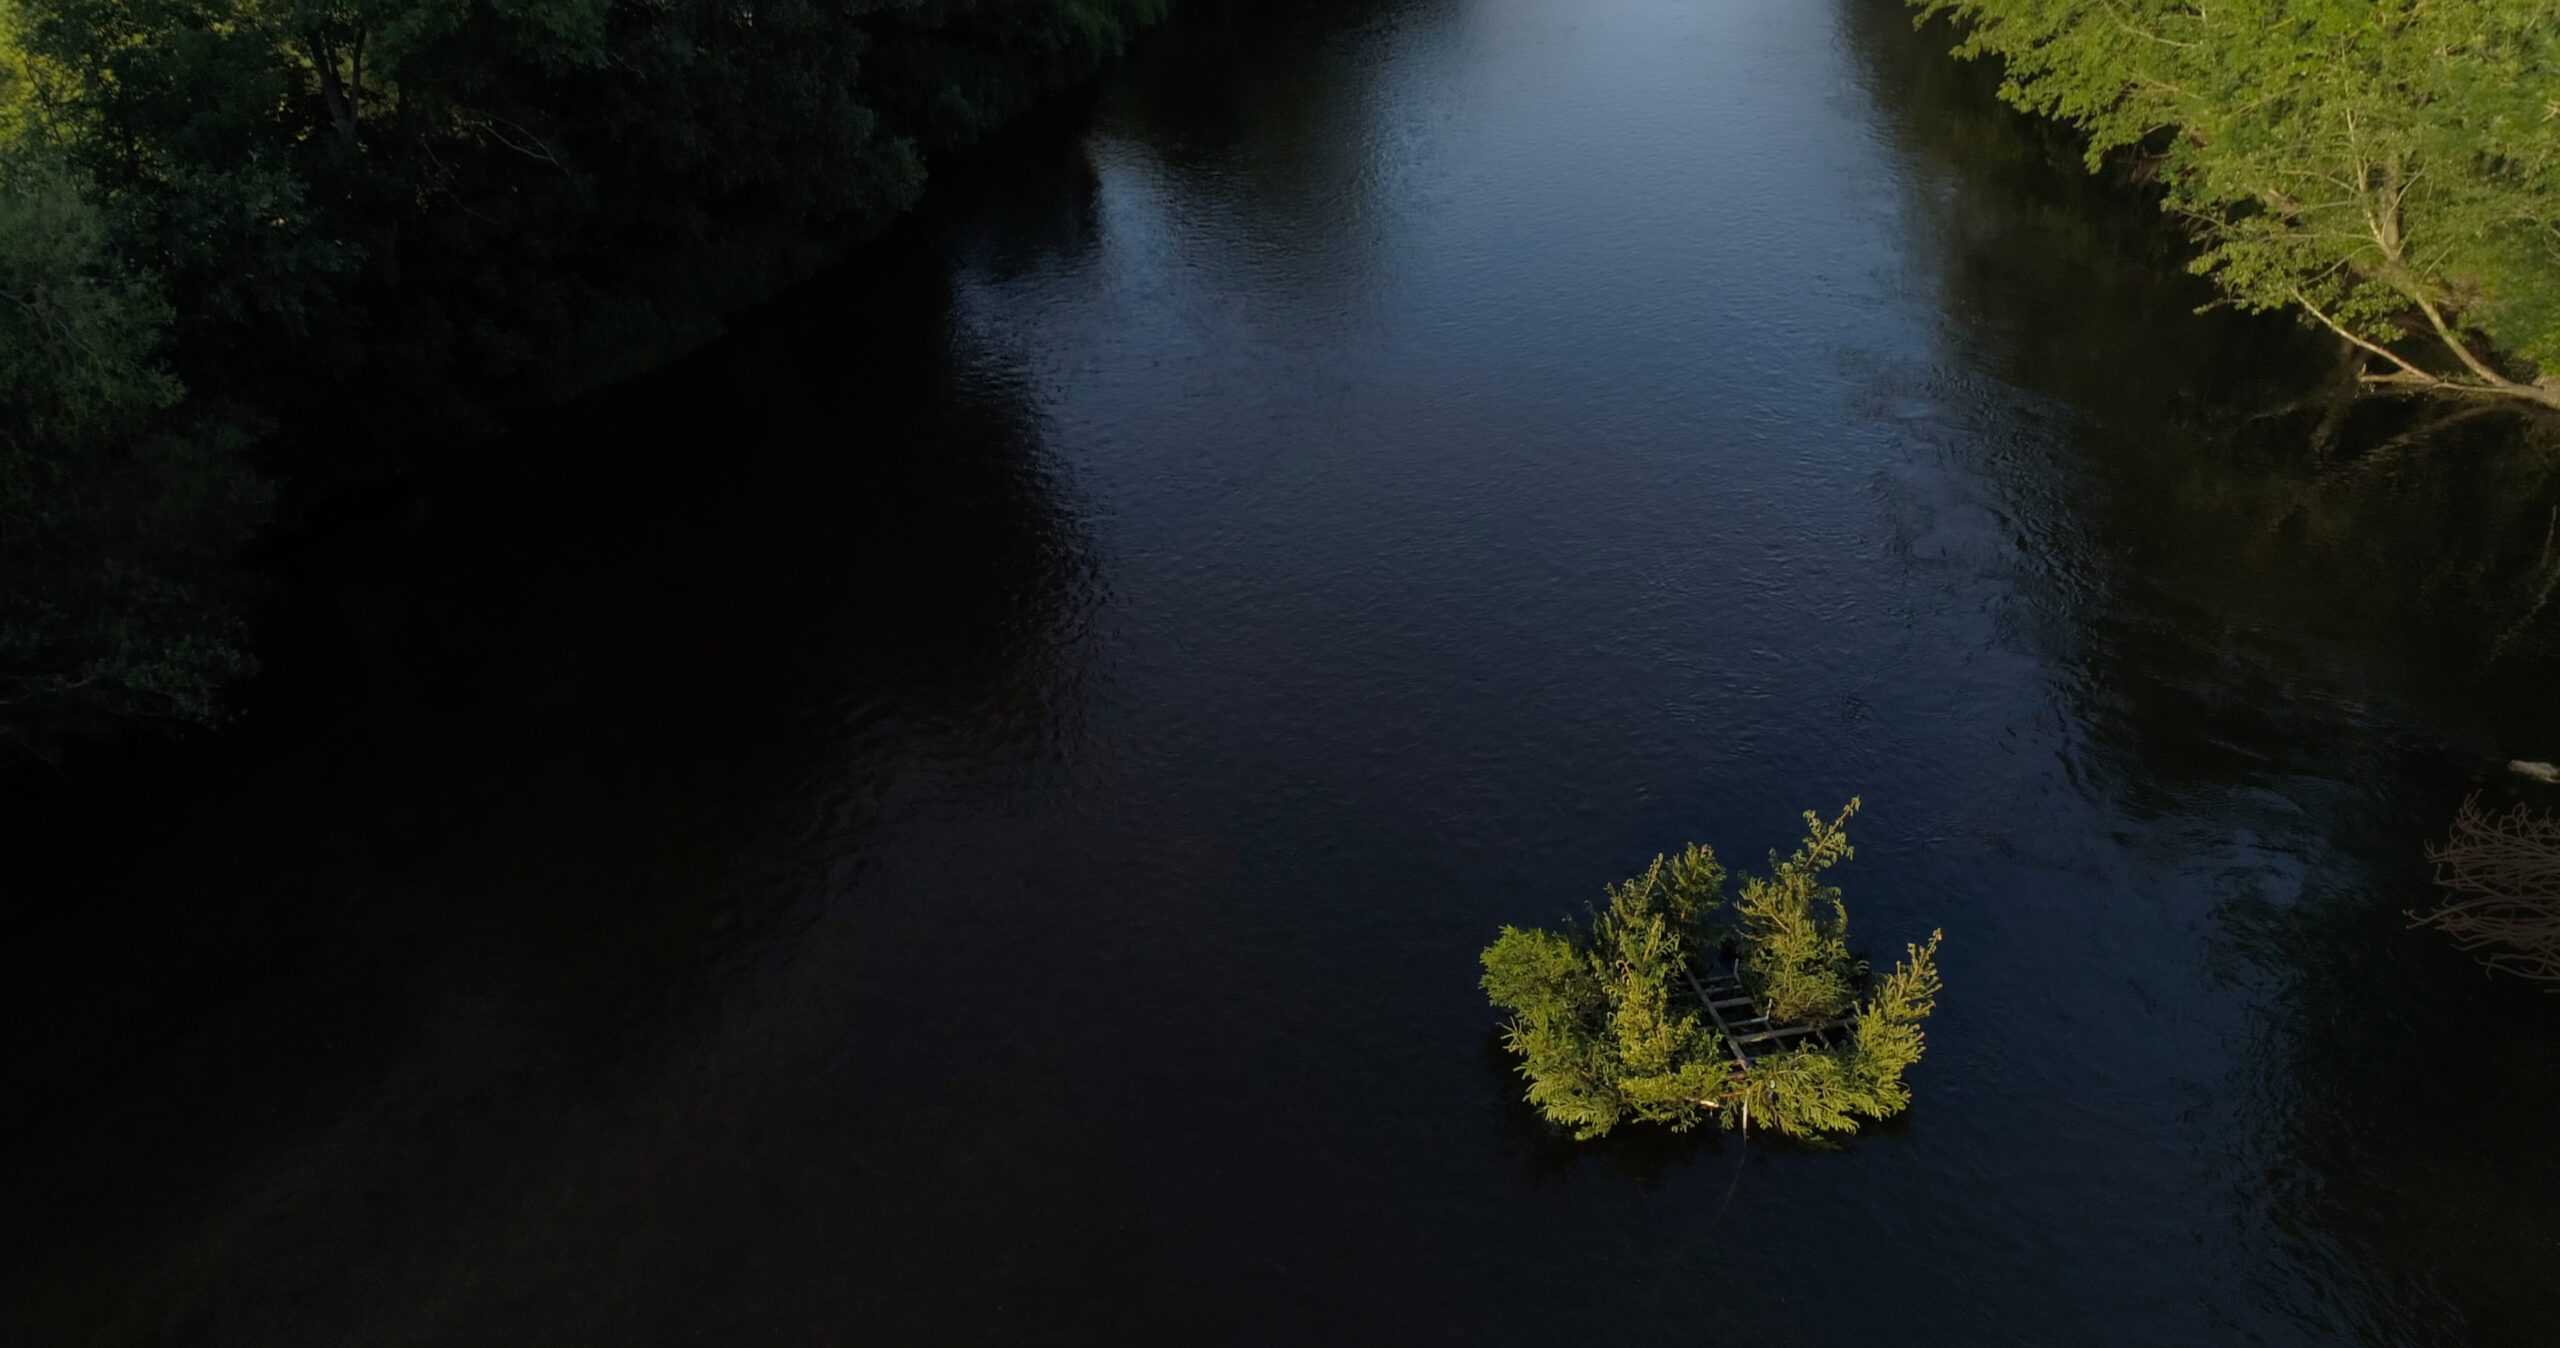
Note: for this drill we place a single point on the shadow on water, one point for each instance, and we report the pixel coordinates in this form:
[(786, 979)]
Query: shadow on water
[(556, 744), (2300, 638), (2224, 471), (964, 813)]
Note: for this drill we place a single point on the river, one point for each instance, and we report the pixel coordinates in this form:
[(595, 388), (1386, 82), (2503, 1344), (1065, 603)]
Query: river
[(966, 811)]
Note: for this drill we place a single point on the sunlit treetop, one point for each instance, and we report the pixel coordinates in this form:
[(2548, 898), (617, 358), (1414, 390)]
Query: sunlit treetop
[(2388, 168)]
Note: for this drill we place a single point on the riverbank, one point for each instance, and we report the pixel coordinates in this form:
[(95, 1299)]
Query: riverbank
[(1345, 486), (257, 264), (2385, 172)]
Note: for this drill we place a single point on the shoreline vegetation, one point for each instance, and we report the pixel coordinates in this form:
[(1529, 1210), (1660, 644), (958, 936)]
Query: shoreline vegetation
[(2388, 171), (254, 249), (1614, 1021)]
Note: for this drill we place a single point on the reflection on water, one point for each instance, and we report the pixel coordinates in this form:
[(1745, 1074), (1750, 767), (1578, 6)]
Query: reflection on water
[(567, 746), (2287, 661), (964, 813)]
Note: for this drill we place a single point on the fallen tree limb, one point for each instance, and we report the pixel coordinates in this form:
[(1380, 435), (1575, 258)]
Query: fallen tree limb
[(2504, 868)]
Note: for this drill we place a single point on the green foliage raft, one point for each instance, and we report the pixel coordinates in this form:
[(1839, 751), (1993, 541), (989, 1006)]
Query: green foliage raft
[(1608, 1028), (345, 231), (2389, 169)]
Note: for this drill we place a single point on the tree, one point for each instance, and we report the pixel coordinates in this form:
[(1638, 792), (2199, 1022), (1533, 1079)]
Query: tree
[(115, 520), (347, 233), (1608, 1028), (1813, 1091), (1795, 929), (2388, 169), (1599, 1019)]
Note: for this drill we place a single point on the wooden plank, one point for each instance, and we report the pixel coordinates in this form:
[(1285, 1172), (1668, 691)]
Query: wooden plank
[(1790, 1031), (1721, 1029), (1736, 1040)]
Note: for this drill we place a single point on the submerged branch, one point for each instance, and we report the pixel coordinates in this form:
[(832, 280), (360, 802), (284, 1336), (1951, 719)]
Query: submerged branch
[(2506, 868)]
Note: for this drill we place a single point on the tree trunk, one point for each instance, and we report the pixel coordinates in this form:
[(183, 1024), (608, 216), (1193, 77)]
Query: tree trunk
[(333, 90)]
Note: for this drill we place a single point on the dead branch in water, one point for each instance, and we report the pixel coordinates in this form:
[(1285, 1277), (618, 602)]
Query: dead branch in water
[(2505, 868)]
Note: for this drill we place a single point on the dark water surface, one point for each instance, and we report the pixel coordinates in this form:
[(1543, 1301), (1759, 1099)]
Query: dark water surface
[(965, 813)]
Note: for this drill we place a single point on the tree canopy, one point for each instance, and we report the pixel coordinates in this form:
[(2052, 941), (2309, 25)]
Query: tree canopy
[(329, 235), (2389, 169)]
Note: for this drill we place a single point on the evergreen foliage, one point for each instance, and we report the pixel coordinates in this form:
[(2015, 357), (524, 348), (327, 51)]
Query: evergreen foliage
[(2389, 169), (1600, 1019), (1813, 1091), (1795, 929), (1608, 1028)]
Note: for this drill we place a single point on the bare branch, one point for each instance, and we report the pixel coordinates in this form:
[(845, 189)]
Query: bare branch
[(2472, 362), (2408, 373), (2506, 867)]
